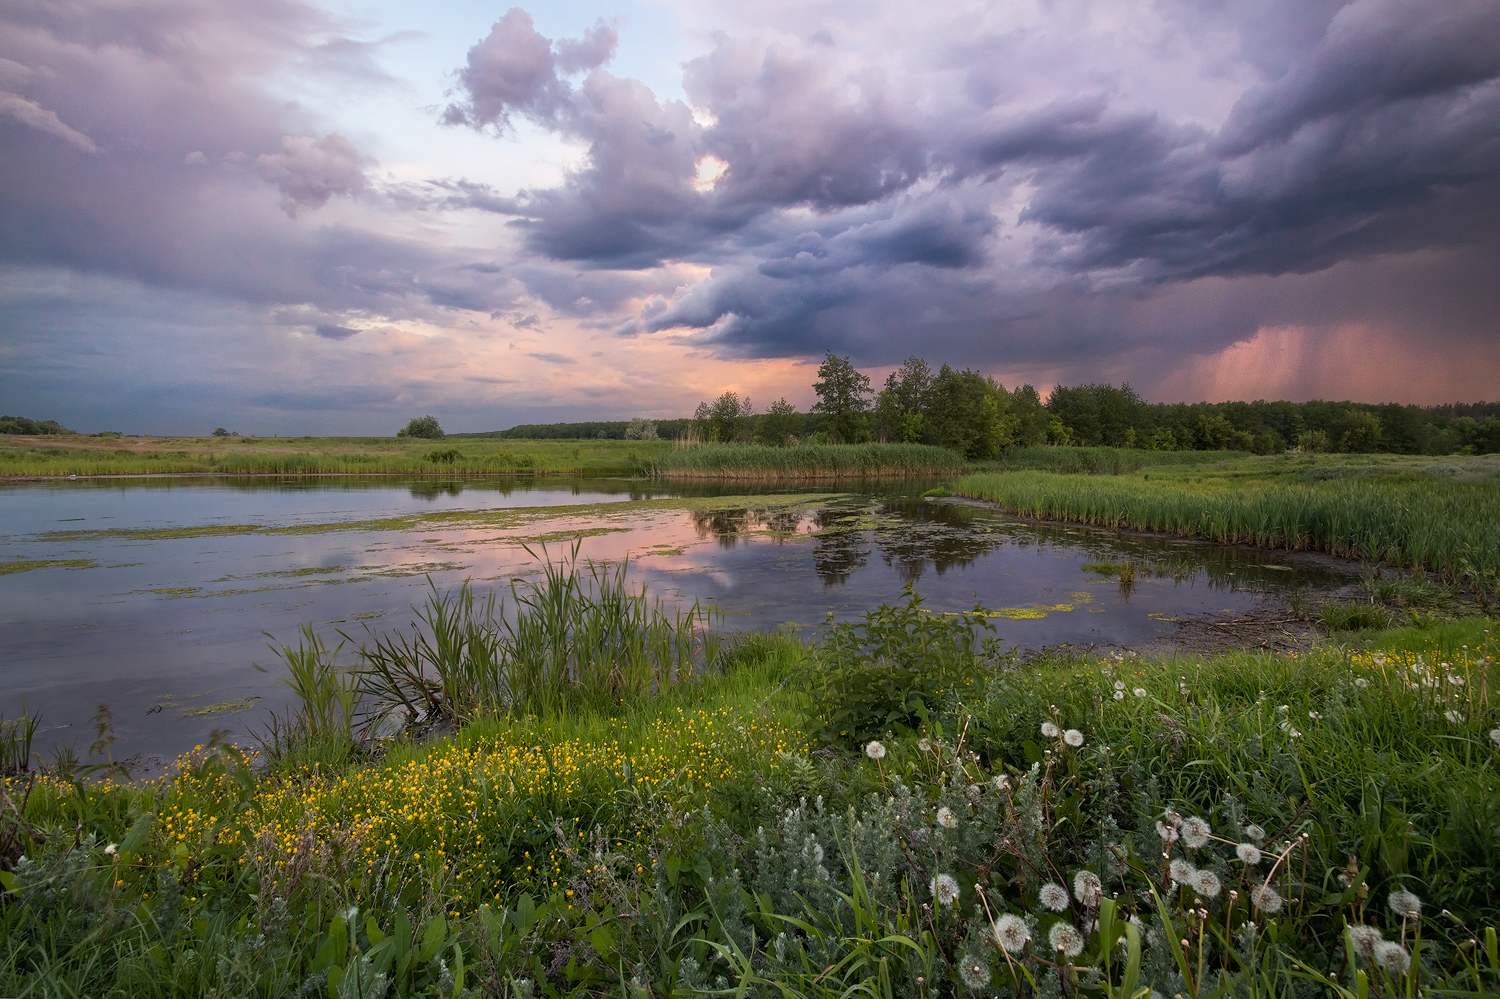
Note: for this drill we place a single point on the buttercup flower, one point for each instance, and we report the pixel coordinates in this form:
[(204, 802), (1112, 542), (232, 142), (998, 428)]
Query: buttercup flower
[(1088, 889), (945, 889), (1011, 933), (1053, 896), (875, 750), (1065, 938), (1073, 737), (1248, 852), (1405, 904)]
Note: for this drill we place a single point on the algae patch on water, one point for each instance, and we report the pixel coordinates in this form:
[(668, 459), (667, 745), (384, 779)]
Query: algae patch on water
[(26, 565), (234, 707)]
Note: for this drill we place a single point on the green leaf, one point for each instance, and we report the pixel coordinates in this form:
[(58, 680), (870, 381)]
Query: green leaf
[(7, 881), (432, 938), (137, 836)]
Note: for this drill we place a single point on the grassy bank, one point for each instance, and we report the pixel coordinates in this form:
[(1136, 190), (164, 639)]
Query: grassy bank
[(897, 809), (806, 461), (58, 456), (1441, 516)]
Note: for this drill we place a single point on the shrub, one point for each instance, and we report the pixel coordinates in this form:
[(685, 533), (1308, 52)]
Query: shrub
[(422, 426)]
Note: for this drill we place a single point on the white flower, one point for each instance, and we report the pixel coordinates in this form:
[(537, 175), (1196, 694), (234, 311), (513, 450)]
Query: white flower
[(1405, 904), (1011, 933), (1120, 686), (1073, 737), (945, 889), (1266, 898), (1065, 938), (975, 973), (1206, 883), (1454, 717), (1195, 832), (111, 850), (946, 818), (1182, 872), (1119, 695), (1365, 938), (1140, 692), (1049, 730), (875, 750), (1248, 852), (1053, 896), (1088, 889), (1255, 832), (1392, 957), (924, 744)]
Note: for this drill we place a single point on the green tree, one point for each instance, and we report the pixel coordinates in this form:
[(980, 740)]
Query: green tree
[(899, 406), (780, 424), (422, 426), (844, 396), (725, 419), (640, 429), (969, 413), (1031, 416)]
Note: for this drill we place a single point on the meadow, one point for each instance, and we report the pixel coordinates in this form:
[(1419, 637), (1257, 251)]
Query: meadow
[(1436, 515), (806, 461), (62, 456), (896, 808)]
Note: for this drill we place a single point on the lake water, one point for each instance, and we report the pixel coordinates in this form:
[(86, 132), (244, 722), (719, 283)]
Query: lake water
[(156, 596)]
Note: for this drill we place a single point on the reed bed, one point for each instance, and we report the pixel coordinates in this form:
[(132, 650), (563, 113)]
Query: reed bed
[(807, 461), (1443, 526), (1100, 460)]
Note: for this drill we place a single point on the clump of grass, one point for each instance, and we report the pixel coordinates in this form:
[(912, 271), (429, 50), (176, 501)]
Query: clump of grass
[(807, 461)]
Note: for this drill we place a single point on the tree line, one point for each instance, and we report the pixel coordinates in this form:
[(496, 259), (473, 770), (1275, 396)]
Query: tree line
[(969, 412)]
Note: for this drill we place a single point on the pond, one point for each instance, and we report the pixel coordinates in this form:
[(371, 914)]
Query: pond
[(159, 596)]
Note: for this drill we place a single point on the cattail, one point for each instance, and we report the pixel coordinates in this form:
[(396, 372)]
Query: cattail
[(1053, 896), (1063, 937), (1011, 933)]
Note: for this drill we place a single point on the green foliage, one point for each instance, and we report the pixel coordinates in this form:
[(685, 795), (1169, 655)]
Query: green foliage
[(844, 397), (969, 413), (641, 429), (426, 427), (901, 406), (31, 428), (806, 461), (780, 425), (443, 456), (889, 671), (724, 420)]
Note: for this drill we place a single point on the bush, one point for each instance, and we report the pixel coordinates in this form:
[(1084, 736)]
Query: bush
[(422, 426)]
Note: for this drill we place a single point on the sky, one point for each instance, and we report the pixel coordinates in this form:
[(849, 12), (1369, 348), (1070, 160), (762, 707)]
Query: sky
[(280, 216)]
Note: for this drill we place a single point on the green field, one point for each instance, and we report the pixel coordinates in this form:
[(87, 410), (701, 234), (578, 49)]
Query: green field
[(54, 456), (1437, 515), (806, 461), (856, 815)]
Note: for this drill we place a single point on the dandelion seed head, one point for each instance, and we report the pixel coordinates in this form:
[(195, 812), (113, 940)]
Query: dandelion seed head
[(1248, 853), (1011, 933), (1255, 832), (1405, 904), (1140, 692), (1088, 889), (1167, 833), (945, 889), (1365, 938), (1266, 899), (1495, 737), (1181, 871), (975, 973), (1120, 685), (1053, 896), (1050, 730), (1064, 937), (924, 744), (1393, 957), (1119, 695), (1361, 682), (1206, 883), (1454, 717), (946, 818), (1196, 832), (875, 750), (1002, 783)]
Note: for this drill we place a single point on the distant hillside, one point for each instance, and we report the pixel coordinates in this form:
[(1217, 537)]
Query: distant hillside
[(31, 428)]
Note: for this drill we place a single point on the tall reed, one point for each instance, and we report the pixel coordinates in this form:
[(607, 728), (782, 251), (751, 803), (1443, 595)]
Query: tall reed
[(807, 461)]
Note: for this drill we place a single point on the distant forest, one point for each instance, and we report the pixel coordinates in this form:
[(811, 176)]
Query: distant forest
[(971, 413)]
